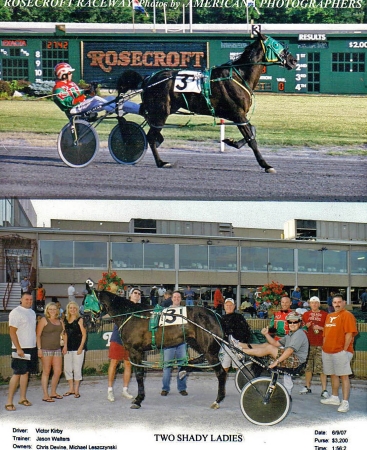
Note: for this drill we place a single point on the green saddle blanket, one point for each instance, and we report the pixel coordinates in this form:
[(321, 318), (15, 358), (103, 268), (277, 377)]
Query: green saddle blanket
[(154, 318)]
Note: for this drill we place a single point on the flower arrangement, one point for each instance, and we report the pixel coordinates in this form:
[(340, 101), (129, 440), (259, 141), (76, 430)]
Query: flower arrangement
[(110, 282), (271, 292)]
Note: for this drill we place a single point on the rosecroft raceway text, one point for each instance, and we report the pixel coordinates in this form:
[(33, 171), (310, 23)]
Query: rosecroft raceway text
[(333, 4)]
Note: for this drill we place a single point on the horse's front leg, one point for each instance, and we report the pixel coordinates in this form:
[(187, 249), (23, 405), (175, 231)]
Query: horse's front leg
[(213, 359), (155, 139), (247, 137), (136, 358), (136, 403), (249, 133), (222, 378)]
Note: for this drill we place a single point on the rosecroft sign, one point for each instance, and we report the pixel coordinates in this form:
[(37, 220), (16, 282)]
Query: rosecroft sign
[(101, 58)]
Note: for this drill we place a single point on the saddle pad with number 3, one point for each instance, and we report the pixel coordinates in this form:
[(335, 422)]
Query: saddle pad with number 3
[(173, 316), (188, 81)]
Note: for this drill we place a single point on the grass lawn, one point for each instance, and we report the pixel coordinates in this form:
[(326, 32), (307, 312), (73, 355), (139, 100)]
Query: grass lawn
[(280, 120)]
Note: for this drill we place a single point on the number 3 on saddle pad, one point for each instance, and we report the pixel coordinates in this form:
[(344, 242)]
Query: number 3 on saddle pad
[(188, 81), (173, 316)]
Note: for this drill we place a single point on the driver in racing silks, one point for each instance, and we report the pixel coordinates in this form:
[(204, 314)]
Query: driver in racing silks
[(234, 324), (71, 99)]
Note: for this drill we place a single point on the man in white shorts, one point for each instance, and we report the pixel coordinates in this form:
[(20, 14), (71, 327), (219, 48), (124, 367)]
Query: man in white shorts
[(22, 330), (337, 352)]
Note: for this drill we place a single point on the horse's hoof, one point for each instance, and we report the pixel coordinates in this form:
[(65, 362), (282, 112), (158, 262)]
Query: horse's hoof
[(271, 170), (166, 166), (135, 406), (215, 405), (230, 142)]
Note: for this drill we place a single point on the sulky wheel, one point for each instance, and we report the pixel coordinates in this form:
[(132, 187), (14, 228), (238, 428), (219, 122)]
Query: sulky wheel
[(253, 406), (127, 143), (78, 144)]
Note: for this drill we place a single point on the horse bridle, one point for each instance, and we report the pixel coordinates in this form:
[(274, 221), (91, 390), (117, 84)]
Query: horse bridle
[(274, 51)]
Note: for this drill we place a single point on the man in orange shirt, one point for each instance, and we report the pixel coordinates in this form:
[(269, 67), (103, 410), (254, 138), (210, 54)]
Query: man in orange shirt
[(337, 352), (218, 300)]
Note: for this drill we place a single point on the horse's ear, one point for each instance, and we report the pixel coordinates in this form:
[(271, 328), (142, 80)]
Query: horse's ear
[(260, 36)]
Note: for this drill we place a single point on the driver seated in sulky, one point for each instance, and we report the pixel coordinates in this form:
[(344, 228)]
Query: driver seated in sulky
[(72, 100), (289, 352)]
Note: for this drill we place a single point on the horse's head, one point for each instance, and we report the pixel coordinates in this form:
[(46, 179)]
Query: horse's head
[(91, 303), (275, 52), (93, 311), (115, 305)]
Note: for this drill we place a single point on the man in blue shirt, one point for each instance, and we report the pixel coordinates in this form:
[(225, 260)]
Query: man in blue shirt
[(296, 297), (189, 295), (364, 300)]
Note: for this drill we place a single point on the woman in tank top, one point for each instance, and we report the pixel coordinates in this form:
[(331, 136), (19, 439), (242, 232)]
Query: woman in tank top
[(49, 329), (76, 336)]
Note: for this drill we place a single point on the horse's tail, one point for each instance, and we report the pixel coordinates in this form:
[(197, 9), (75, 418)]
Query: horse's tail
[(130, 79)]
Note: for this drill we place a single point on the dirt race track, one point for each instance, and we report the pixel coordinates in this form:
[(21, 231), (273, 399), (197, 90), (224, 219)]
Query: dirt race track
[(92, 422), (200, 173)]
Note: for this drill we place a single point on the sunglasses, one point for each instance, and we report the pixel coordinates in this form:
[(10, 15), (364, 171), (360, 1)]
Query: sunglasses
[(137, 293), (293, 323)]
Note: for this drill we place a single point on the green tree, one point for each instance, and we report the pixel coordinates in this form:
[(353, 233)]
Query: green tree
[(201, 14)]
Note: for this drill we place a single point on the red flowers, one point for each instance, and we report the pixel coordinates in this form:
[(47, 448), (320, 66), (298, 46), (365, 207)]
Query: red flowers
[(108, 281), (272, 293)]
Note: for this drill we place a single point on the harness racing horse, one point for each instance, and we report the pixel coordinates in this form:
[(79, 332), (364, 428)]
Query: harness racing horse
[(225, 91), (136, 336)]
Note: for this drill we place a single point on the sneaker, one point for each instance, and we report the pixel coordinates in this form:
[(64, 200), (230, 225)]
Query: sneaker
[(126, 394), (324, 394), (234, 342), (110, 396), (184, 393), (305, 390), (344, 406), (332, 400), (164, 393)]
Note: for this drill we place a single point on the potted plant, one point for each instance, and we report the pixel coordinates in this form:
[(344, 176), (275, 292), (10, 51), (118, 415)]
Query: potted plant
[(110, 282), (271, 294)]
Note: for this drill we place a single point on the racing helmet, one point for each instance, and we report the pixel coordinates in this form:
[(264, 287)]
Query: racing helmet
[(61, 69)]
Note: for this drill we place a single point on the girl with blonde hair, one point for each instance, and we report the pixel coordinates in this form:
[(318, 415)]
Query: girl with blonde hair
[(49, 330), (73, 351)]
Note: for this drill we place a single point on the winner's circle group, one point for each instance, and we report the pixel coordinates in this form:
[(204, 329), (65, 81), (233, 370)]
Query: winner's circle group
[(319, 342)]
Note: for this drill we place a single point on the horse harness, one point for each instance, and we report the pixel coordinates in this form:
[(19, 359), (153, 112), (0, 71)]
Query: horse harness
[(154, 320), (272, 53)]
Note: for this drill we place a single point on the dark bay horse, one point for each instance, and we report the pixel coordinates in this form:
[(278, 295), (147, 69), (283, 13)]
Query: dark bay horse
[(137, 338), (226, 92)]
